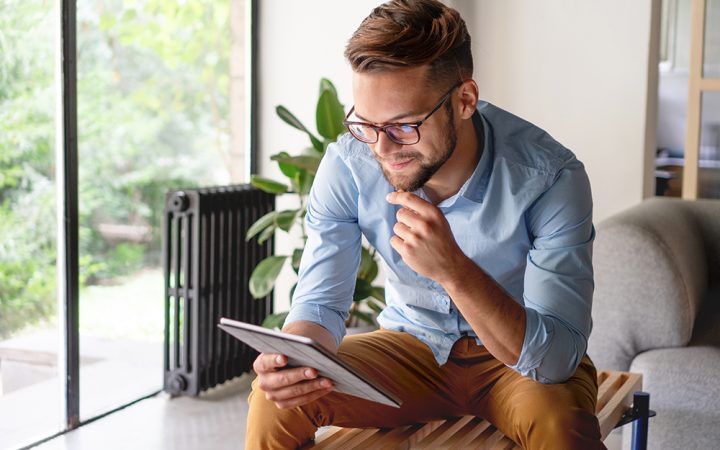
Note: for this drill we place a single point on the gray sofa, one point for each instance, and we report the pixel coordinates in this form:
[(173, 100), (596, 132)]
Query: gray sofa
[(656, 311)]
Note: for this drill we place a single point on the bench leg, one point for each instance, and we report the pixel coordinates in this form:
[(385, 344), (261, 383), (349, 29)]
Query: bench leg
[(641, 407)]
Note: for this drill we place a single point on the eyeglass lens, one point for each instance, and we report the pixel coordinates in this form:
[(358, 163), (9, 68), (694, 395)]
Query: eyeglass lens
[(401, 134)]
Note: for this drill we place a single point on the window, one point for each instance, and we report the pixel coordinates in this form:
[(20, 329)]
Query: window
[(160, 88)]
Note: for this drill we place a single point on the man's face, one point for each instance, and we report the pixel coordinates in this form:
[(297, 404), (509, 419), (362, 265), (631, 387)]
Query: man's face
[(402, 96)]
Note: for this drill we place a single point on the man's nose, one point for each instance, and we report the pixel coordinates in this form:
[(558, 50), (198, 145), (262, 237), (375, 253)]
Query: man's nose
[(385, 146)]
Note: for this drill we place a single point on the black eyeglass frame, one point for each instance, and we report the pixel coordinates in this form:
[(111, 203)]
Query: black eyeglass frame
[(383, 128)]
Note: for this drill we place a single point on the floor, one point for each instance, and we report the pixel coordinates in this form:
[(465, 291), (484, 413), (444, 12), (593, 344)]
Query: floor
[(30, 386), (215, 421)]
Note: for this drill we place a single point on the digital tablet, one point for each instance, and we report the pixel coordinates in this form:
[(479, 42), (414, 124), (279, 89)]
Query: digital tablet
[(304, 352)]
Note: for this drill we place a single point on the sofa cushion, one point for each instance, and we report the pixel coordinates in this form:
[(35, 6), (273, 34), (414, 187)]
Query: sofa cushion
[(707, 214), (707, 323), (650, 279), (683, 387)]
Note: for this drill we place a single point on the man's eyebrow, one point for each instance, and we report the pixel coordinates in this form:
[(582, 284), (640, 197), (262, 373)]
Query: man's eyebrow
[(391, 120)]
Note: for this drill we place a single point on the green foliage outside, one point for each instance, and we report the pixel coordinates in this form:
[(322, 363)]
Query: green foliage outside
[(300, 171), (153, 81), (27, 191)]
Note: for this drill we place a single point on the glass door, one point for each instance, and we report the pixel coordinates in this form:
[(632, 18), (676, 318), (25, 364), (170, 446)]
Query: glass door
[(31, 399), (154, 104)]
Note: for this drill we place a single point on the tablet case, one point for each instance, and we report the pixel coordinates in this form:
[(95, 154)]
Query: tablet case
[(304, 352)]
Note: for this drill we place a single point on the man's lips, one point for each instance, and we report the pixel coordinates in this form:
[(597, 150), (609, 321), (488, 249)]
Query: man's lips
[(399, 164)]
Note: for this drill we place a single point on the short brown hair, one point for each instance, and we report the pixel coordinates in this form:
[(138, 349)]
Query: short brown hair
[(413, 33)]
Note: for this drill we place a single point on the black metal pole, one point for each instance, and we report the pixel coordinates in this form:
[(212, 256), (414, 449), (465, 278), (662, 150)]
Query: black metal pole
[(70, 282), (641, 410), (254, 148)]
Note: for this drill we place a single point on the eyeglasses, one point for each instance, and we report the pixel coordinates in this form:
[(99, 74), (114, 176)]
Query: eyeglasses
[(400, 133)]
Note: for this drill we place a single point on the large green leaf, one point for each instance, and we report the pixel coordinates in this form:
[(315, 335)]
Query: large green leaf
[(268, 185), (262, 280), (374, 305), (329, 116), (318, 144), (290, 119), (368, 267), (307, 162), (261, 224), (275, 320), (296, 257), (285, 219), (267, 233), (293, 121), (363, 290), (326, 85), (289, 170), (378, 292), (303, 182), (300, 214)]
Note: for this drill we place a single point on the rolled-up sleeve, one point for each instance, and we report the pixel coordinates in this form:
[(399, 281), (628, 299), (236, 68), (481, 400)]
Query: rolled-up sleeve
[(558, 283), (332, 253)]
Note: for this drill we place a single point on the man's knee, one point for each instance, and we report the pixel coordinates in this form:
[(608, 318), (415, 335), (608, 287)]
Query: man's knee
[(269, 427), (545, 421)]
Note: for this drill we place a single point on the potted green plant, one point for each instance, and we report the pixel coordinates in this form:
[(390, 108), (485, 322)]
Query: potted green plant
[(300, 170)]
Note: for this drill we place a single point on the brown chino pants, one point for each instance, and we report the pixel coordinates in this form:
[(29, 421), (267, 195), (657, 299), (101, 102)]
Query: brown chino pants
[(534, 415)]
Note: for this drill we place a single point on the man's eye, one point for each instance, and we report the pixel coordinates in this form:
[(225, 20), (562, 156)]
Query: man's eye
[(405, 129)]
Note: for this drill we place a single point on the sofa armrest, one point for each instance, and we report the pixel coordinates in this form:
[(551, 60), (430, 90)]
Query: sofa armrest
[(650, 278)]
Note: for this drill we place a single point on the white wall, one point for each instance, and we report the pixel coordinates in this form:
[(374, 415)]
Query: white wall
[(578, 68), (299, 43)]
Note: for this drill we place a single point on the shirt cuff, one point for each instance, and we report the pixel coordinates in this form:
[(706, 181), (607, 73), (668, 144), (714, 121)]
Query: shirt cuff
[(550, 353), (326, 317)]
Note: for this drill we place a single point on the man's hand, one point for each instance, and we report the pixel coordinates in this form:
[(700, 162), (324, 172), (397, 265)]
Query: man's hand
[(288, 388), (423, 238), (297, 386)]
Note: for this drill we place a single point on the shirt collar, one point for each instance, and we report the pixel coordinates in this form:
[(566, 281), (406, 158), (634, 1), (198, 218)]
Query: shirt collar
[(474, 187)]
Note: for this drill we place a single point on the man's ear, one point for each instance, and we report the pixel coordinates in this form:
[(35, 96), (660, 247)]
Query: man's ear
[(469, 93)]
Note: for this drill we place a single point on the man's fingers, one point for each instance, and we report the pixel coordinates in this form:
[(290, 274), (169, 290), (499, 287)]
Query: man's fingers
[(298, 390), (410, 200), (272, 381), (303, 399), (402, 231), (398, 244), (268, 362), (419, 224)]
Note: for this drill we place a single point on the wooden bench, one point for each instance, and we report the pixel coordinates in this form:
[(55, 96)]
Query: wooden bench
[(614, 408)]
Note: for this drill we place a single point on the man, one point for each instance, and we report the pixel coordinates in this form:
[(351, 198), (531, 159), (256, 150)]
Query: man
[(484, 223)]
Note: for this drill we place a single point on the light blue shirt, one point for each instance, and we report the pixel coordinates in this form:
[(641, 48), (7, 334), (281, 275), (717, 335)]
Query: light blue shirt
[(524, 216)]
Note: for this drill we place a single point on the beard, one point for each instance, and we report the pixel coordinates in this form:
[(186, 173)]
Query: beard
[(428, 166)]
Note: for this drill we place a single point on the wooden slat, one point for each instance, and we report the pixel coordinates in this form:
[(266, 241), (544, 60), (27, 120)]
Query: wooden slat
[(694, 107), (336, 440), (360, 439), (608, 388), (613, 410), (615, 390), (324, 435), (710, 84), (443, 432), (411, 440), (487, 439), (473, 429), (602, 376)]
